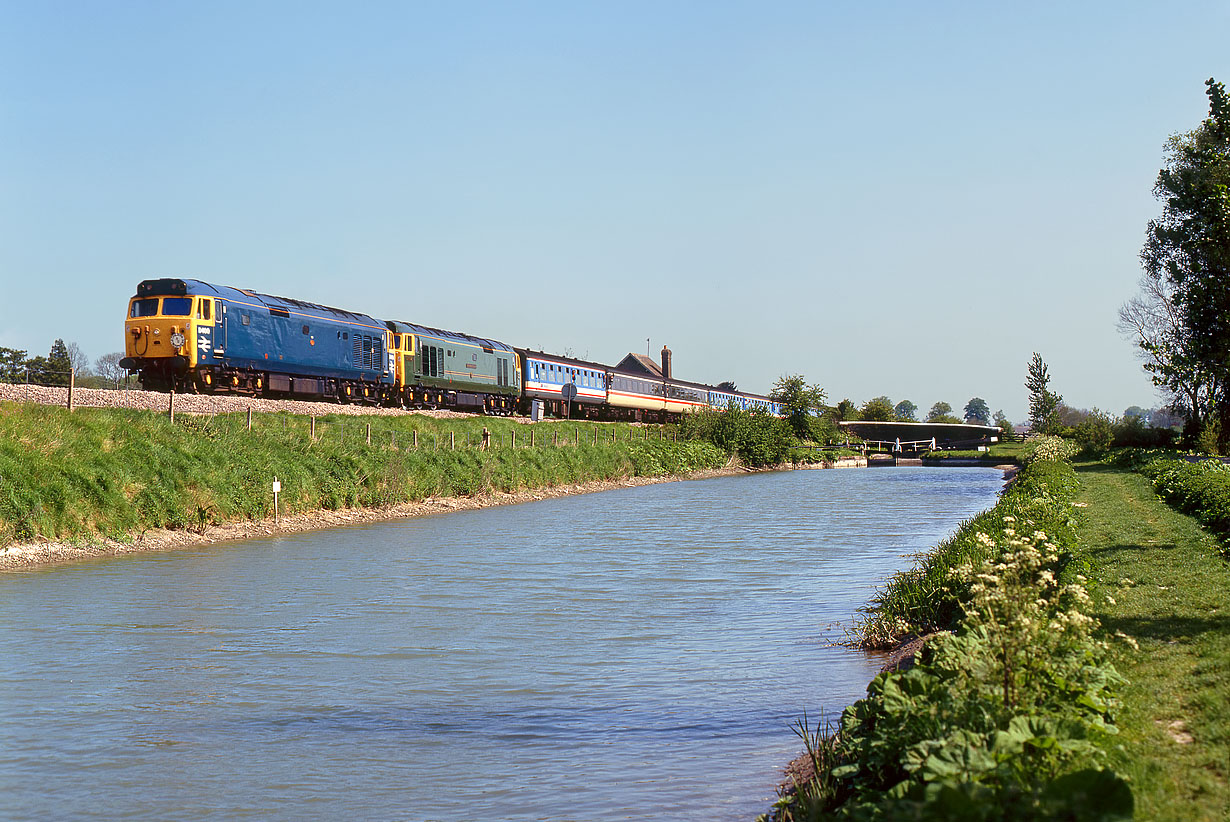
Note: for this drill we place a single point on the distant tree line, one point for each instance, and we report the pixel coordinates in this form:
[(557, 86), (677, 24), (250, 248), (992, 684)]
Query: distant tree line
[(61, 362), (882, 409)]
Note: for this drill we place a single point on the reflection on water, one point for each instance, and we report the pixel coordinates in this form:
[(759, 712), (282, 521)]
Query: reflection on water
[(634, 654)]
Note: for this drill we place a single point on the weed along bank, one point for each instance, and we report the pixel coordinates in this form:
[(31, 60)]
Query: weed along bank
[(1040, 681)]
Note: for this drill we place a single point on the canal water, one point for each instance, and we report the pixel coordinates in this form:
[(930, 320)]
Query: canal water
[(636, 654)]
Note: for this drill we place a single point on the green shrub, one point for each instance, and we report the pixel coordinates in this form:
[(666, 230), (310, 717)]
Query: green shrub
[(1199, 489), (1132, 432), (1095, 433), (757, 438), (926, 598), (1007, 718)]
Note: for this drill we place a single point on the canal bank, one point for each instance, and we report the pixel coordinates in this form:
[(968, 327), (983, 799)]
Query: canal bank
[(613, 656), (1152, 585), (49, 552)]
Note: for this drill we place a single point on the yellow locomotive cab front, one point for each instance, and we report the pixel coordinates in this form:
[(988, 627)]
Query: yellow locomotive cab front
[(160, 336)]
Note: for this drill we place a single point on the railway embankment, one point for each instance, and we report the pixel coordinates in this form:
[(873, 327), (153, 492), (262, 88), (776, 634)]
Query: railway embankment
[(117, 474), (1063, 655)]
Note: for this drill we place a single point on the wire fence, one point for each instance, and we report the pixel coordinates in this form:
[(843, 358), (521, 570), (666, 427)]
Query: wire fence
[(35, 376), (354, 429), (58, 378)]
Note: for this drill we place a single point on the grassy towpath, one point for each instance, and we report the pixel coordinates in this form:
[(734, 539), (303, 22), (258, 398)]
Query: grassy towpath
[(1161, 580)]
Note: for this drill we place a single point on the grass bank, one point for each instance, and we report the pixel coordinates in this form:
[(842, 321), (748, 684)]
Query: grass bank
[(1001, 453), (1161, 580), (114, 473), (1113, 704), (1009, 712)]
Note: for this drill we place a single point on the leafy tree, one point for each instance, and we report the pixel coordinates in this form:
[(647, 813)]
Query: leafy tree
[(12, 365), (846, 411), (1001, 420), (906, 411), (825, 431), (1181, 318), (1043, 403), (941, 412), (977, 411), (800, 402), (38, 371), (1137, 412), (878, 409)]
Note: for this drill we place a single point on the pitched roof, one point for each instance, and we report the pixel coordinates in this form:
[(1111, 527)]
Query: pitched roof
[(640, 363)]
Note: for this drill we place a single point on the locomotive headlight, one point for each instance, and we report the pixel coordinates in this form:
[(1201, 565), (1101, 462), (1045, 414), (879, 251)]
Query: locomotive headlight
[(177, 340)]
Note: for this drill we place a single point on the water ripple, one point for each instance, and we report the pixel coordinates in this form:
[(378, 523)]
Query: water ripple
[(611, 656)]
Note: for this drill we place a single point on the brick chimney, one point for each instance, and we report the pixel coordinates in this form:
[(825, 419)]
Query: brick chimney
[(666, 363)]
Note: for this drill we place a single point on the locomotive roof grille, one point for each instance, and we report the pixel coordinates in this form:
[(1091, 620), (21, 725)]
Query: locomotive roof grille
[(340, 313), (403, 327)]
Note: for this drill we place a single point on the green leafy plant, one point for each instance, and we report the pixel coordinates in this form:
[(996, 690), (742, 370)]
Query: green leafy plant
[(1008, 717)]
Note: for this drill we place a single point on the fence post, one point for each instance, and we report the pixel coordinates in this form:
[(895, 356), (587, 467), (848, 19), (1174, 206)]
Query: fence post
[(369, 433), (452, 440), (486, 438), (514, 438), (393, 443), (531, 438), (249, 418), (72, 378), (171, 405), (415, 438), (313, 428), (577, 436), (555, 437)]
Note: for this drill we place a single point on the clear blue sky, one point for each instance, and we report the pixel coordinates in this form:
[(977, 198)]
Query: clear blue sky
[(888, 198)]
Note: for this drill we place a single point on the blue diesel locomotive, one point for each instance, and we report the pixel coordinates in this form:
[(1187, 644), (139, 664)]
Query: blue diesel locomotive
[(192, 336)]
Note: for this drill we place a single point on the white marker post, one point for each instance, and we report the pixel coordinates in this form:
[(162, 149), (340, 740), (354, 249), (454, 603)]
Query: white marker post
[(277, 486)]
